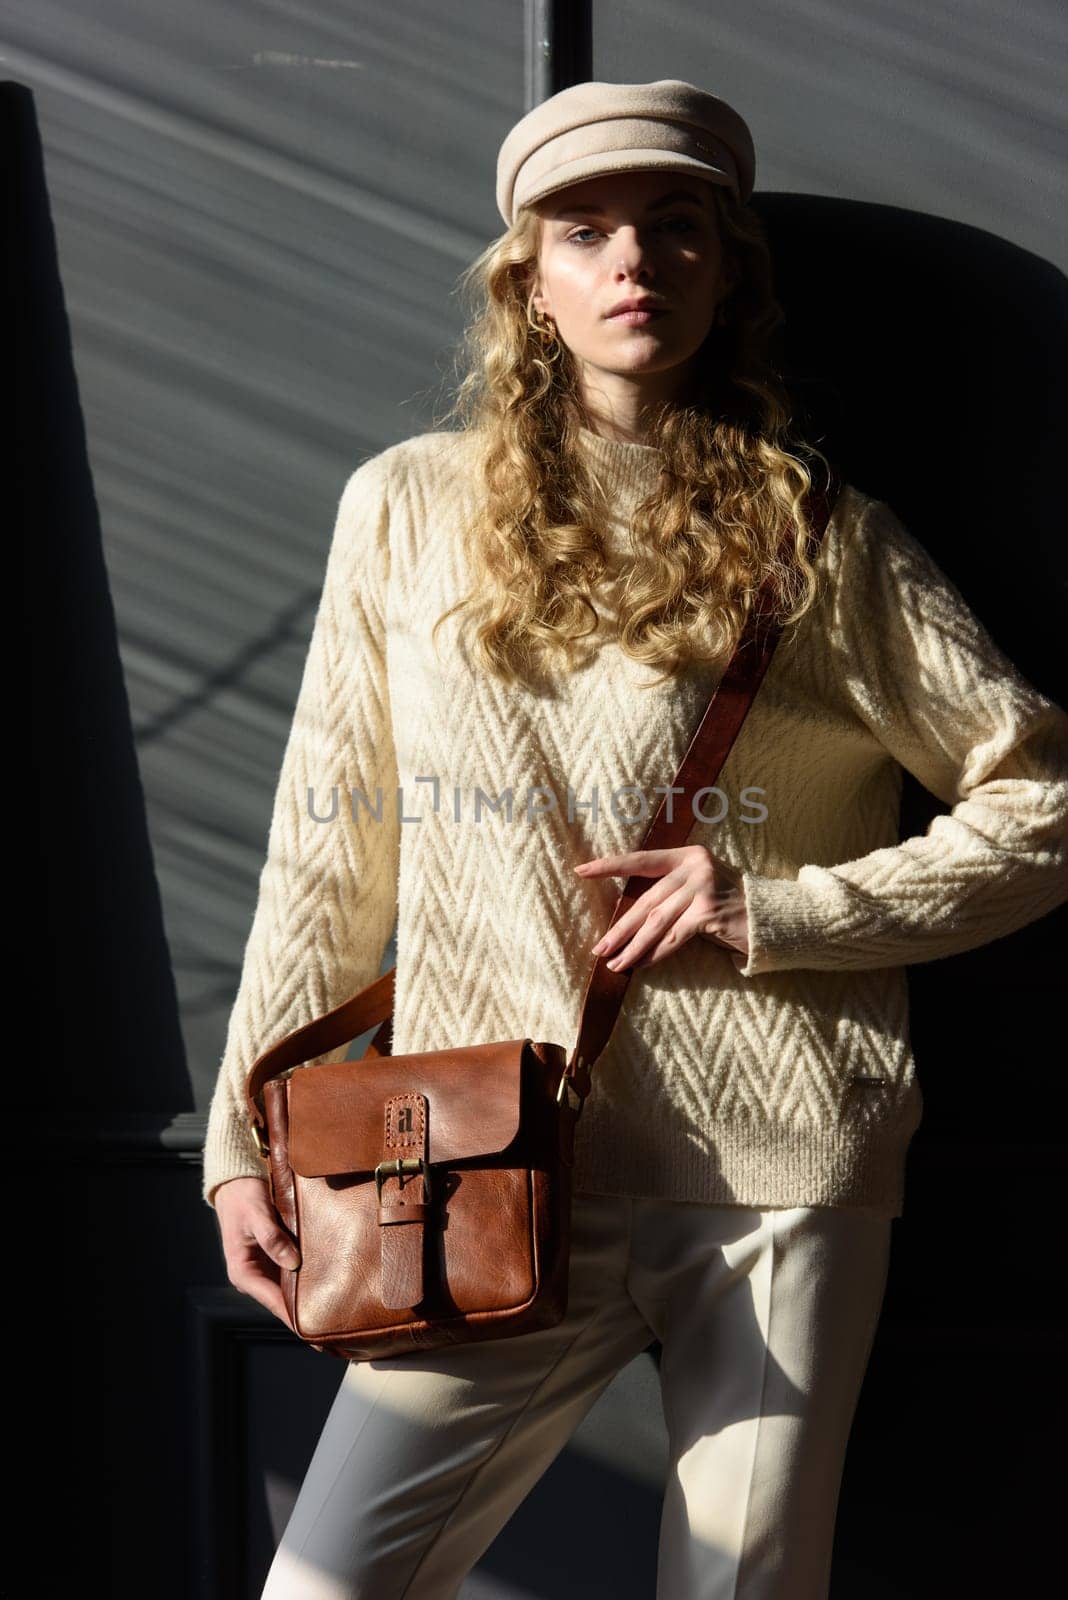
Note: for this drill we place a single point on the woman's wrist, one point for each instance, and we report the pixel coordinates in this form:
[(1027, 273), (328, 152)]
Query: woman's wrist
[(729, 924)]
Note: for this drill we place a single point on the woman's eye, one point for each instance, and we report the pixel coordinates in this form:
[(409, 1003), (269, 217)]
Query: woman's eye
[(573, 238)]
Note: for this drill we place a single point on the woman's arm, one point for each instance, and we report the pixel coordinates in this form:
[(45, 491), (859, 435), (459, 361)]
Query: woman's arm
[(327, 891), (926, 678)]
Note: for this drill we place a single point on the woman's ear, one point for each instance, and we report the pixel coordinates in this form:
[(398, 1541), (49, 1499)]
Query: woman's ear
[(540, 303)]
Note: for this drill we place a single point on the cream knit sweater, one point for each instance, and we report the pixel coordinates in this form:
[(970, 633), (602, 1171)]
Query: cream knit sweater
[(725, 1079)]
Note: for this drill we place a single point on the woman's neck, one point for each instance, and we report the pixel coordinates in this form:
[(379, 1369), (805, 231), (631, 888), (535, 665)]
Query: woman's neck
[(627, 469), (623, 408)]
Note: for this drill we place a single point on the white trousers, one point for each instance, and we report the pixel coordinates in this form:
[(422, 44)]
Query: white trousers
[(766, 1320)]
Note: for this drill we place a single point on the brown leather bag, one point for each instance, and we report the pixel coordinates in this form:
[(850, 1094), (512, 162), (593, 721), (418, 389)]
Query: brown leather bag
[(430, 1194)]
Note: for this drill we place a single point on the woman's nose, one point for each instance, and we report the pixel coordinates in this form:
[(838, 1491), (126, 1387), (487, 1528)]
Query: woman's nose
[(632, 253)]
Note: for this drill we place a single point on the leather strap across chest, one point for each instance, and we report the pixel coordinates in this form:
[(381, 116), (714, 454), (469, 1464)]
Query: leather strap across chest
[(700, 766)]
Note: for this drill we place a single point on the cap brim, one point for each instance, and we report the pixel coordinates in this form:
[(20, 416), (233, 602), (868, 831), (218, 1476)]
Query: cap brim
[(625, 161)]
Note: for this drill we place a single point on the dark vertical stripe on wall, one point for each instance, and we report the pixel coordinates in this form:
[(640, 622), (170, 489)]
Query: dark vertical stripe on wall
[(559, 47)]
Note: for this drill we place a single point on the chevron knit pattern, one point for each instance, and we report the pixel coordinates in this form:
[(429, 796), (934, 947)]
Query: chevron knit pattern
[(725, 1080)]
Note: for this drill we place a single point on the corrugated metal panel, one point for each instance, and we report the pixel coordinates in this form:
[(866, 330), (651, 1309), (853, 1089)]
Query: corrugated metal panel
[(261, 214)]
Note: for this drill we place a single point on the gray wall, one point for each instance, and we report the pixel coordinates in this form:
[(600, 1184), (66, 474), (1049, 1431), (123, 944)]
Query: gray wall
[(261, 214)]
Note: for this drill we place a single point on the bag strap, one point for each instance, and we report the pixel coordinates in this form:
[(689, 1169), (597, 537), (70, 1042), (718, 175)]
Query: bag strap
[(603, 996), (708, 750)]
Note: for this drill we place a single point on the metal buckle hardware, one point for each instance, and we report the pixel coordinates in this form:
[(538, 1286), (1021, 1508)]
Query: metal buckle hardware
[(260, 1142), (566, 1088), (393, 1169)]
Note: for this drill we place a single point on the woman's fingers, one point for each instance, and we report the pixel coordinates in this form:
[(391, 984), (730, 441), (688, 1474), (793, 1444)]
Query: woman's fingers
[(645, 928), (258, 1285), (273, 1239), (256, 1247), (687, 859), (645, 863), (672, 868), (696, 894)]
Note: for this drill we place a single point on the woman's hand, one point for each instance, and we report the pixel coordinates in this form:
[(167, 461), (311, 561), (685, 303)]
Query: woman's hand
[(696, 893), (256, 1245)]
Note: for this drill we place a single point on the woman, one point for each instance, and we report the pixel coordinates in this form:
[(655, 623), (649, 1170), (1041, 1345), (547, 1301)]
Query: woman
[(540, 603)]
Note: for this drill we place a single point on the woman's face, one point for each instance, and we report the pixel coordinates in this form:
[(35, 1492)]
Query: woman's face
[(631, 235)]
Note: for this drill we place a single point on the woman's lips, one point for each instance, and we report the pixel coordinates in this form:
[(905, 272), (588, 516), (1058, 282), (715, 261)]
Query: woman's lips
[(637, 317)]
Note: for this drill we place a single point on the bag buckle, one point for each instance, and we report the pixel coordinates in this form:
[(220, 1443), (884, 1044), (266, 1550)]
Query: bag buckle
[(566, 1088), (393, 1169)]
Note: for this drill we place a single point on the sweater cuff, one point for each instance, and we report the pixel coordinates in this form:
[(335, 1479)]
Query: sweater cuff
[(230, 1152), (785, 924)]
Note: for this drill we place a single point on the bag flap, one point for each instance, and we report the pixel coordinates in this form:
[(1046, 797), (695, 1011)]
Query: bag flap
[(337, 1111)]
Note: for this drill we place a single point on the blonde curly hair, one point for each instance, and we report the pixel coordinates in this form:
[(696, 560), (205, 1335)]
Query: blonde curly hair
[(733, 478)]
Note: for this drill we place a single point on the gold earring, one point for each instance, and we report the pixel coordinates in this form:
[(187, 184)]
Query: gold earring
[(546, 332)]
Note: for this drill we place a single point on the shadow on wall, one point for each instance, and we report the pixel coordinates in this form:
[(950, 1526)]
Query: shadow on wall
[(932, 356), (931, 361), (106, 1072), (98, 943)]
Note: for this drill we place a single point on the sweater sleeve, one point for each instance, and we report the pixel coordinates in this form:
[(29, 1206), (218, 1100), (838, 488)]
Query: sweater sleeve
[(919, 669), (326, 901)]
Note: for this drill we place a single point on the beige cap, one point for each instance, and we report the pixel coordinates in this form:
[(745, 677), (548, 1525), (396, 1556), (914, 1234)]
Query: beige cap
[(595, 128)]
